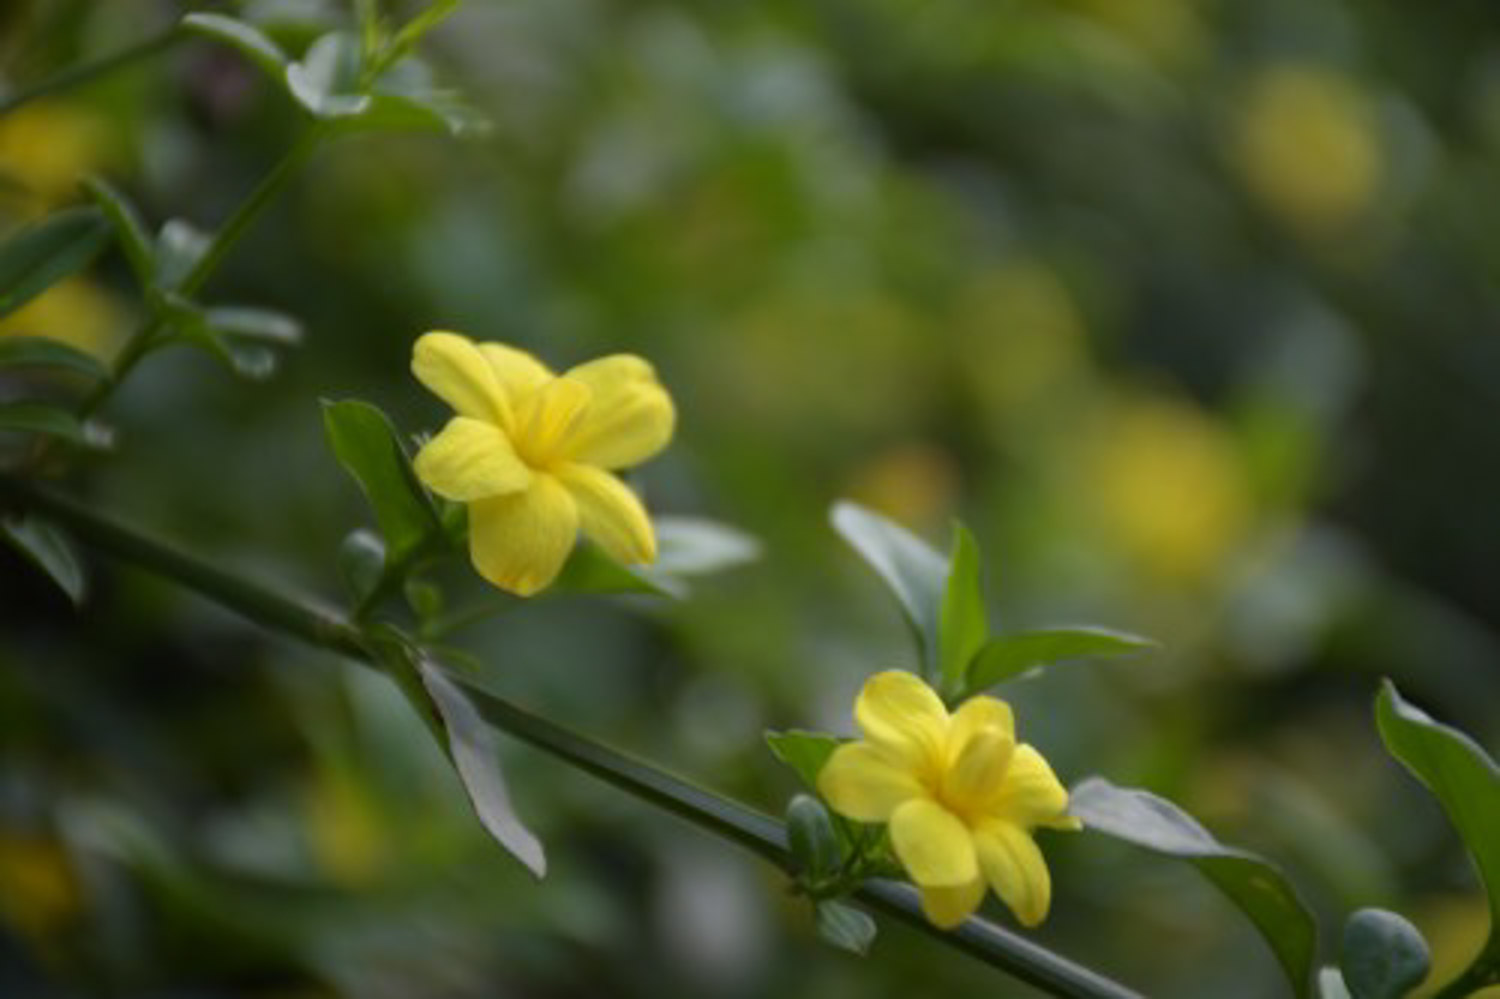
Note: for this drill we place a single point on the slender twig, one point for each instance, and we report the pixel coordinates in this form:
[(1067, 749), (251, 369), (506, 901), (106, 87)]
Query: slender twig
[(728, 819), (88, 71)]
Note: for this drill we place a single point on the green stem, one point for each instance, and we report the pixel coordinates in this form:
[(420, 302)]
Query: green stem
[(231, 231), (265, 605), (728, 819), (88, 71)]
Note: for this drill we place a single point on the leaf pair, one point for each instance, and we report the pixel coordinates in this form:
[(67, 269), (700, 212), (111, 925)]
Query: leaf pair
[(365, 81), (943, 602)]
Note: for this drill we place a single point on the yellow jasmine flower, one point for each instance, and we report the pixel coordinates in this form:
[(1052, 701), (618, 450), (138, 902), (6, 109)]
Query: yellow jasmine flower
[(961, 797), (531, 453)]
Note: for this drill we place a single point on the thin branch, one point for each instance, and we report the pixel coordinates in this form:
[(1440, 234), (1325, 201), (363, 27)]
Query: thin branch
[(759, 833), (88, 71)]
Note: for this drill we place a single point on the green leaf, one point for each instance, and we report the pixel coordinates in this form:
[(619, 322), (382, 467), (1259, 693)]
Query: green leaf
[(261, 325), (129, 229), (48, 547), (40, 352), (179, 247), (811, 837), (1007, 656), (475, 754), (1466, 782), (590, 571), (804, 752), (962, 626), (697, 546), (324, 81), (251, 360), (845, 927), (39, 255), (1383, 955), (913, 570), (1257, 886), (42, 418), (361, 562), (411, 33), (248, 39), (365, 443)]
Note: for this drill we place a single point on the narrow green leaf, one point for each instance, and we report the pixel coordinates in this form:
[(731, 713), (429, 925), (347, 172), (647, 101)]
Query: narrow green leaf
[(1466, 782), (913, 570), (1254, 884), (179, 247), (804, 752), (365, 443), (1007, 656), (251, 360), (40, 352), (129, 229), (845, 927), (1383, 955), (39, 255), (262, 325), (962, 625), (248, 39), (476, 756), (41, 418), (697, 546), (411, 33), (590, 571), (49, 548)]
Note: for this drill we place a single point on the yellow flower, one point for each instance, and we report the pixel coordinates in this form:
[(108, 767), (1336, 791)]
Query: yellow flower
[(531, 453), (961, 797)]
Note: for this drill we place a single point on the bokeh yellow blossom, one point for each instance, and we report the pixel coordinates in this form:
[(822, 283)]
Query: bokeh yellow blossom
[(531, 454), (74, 311), (1165, 487), (1308, 147), (962, 798), (46, 146)]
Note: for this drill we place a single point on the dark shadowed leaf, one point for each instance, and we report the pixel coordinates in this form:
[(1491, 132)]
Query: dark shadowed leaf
[(48, 547), (913, 569), (40, 352), (1257, 886), (39, 255), (129, 229), (365, 443), (248, 39), (1383, 955), (1466, 782), (1007, 656)]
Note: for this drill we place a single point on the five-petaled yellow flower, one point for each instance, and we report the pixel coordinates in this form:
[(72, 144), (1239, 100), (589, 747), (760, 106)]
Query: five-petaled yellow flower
[(531, 453), (961, 797)]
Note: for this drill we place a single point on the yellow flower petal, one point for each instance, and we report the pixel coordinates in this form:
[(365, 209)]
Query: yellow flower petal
[(947, 907), (1032, 795), (630, 418), (456, 372), (519, 374), (520, 542), (863, 784), (471, 460), (547, 418), (977, 777), (1014, 867), (974, 715), (936, 849), (610, 513), (901, 715)]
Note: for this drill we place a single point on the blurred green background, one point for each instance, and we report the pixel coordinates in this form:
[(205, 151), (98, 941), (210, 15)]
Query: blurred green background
[(1188, 307)]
